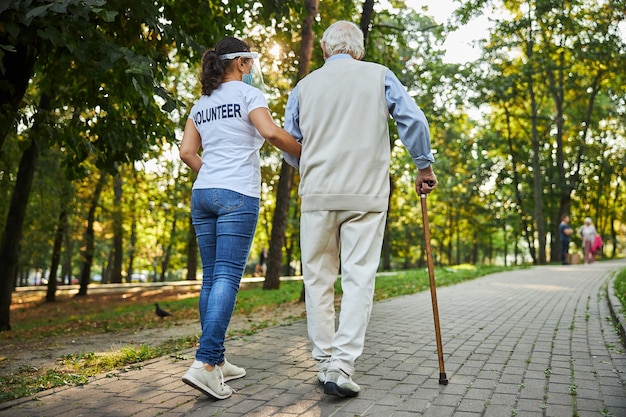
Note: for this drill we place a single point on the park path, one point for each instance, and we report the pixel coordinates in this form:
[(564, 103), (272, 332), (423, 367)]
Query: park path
[(524, 343)]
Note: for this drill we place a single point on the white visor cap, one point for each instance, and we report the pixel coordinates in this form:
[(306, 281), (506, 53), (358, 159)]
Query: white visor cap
[(257, 75), (234, 55)]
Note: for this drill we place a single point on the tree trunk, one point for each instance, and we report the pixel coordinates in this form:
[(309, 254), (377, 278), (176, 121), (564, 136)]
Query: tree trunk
[(115, 266), (133, 241), (18, 69), (366, 19), (451, 229), (506, 243), (474, 256), (279, 227), (9, 251), (614, 217), (386, 251), (556, 88), (107, 268), (168, 252), (525, 224), (537, 176), (285, 182), (308, 37), (192, 252), (86, 253), (457, 232), (66, 267), (56, 255)]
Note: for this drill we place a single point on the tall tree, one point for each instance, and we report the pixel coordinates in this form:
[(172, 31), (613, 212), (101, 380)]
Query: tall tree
[(87, 251), (9, 249), (192, 252), (549, 69), (366, 19), (118, 232), (281, 211), (61, 232), (117, 49), (9, 252)]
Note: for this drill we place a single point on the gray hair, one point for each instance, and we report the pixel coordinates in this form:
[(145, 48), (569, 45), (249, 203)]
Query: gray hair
[(344, 37)]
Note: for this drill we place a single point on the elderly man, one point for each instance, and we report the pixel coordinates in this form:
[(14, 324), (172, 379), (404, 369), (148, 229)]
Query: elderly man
[(339, 113)]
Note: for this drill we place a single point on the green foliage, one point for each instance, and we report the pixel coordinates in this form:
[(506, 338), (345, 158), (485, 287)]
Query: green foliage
[(545, 77), (86, 72)]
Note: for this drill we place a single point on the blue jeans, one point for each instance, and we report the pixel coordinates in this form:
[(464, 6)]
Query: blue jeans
[(225, 222), (564, 250)]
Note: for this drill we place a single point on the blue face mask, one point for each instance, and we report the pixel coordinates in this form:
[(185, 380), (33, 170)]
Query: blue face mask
[(247, 78)]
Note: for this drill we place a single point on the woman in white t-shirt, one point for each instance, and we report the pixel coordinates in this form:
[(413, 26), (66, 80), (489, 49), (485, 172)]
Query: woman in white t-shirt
[(229, 123), (587, 233)]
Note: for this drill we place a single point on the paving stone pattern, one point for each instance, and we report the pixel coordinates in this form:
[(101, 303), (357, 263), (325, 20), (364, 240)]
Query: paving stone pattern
[(538, 342)]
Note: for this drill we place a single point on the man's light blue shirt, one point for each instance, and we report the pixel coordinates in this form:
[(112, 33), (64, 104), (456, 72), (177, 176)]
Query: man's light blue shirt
[(410, 120)]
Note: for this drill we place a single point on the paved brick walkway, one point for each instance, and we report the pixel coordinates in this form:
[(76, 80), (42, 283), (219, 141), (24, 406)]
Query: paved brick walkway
[(535, 342)]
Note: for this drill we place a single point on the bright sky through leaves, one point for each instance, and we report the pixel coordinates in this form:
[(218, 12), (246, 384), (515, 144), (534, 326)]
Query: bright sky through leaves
[(459, 45)]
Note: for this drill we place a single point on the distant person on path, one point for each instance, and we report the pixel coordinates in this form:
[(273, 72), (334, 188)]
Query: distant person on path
[(588, 233), (229, 123), (340, 113), (261, 267), (565, 231)]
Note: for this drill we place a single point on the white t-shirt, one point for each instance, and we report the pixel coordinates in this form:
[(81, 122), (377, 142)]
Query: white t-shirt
[(588, 233), (230, 142)]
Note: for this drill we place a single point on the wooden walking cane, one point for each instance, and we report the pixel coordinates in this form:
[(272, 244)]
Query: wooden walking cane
[(443, 379)]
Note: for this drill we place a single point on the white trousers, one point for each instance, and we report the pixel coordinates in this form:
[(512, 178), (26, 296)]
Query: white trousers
[(326, 237)]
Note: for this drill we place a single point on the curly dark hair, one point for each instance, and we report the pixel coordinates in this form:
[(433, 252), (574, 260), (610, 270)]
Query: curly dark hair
[(214, 68)]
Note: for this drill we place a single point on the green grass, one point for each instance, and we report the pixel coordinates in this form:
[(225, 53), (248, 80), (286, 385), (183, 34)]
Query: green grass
[(77, 369), (387, 286), (619, 286), (410, 282), (80, 317)]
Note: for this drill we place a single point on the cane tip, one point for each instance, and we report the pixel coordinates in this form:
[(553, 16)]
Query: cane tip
[(443, 379)]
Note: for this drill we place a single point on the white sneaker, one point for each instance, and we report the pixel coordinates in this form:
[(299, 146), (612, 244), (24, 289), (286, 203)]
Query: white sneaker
[(231, 371), (339, 383), (209, 383)]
